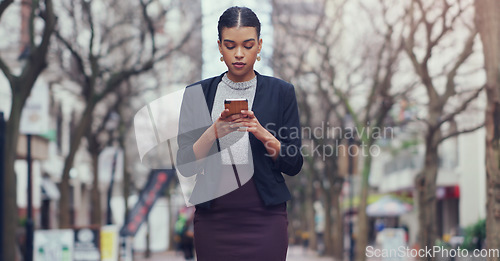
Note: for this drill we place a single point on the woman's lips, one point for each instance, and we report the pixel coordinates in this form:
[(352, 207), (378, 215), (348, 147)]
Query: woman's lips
[(239, 65)]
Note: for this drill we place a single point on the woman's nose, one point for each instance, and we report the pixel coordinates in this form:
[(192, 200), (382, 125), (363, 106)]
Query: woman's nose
[(239, 53)]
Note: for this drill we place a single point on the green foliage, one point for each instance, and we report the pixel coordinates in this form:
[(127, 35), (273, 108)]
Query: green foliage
[(441, 243), (409, 144), (474, 235), (406, 145), (22, 222)]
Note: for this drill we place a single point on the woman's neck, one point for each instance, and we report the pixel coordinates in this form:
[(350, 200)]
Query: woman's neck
[(241, 78)]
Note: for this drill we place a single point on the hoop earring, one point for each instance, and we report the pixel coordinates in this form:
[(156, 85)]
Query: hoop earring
[(258, 58), (222, 58)]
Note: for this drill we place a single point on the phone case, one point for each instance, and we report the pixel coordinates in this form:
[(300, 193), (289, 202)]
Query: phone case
[(235, 105)]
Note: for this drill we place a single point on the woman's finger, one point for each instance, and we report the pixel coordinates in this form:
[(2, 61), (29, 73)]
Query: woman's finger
[(224, 114), (237, 125), (249, 124), (234, 117), (247, 113), (251, 129), (243, 120)]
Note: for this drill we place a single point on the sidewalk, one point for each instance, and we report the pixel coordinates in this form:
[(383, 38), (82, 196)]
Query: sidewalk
[(295, 253)]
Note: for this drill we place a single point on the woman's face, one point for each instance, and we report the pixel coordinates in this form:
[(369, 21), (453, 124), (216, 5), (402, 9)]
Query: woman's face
[(239, 48)]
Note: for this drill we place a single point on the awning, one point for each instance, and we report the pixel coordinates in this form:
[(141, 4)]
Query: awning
[(388, 206), (372, 198)]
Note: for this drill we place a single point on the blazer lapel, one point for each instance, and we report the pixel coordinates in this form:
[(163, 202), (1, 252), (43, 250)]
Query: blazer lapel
[(259, 95), (211, 91)]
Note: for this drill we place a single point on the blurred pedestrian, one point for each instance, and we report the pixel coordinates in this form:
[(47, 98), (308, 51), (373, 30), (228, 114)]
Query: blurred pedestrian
[(250, 222), (379, 227), (319, 219), (304, 236), (407, 233), (184, 231)]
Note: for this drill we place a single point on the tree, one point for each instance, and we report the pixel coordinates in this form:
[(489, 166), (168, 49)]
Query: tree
[(100, 65), (488, 24), (371, 120), (337, 81), (305, 64), (431, 25), (21, 85), (97, 139)]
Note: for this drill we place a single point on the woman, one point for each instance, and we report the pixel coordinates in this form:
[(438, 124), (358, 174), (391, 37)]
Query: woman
[(250, 222)]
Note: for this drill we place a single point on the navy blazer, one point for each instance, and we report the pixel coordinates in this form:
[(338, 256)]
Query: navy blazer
[(275, 107)]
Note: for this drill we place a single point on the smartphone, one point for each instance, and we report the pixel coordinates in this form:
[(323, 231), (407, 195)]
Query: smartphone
[(235, 105)]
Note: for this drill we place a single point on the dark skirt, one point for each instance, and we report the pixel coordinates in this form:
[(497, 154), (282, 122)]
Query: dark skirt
[(238, 226)]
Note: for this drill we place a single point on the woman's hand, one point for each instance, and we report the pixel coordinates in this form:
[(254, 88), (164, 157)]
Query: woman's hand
[(253, 125), (220, 128), (226, 123)]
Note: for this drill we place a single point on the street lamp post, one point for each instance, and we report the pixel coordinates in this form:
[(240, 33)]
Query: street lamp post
[(351, 197), (2, 158), (350, 132), (29, 216), (111, 126), (109, 220)]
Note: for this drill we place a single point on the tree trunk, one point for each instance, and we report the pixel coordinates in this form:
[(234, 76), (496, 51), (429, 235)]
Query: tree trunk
[(171, 224), (21, 89), (328, 234), (96, 216), (95, 196), (334, 242), (488, 23), (337, 226), (172, 215), (126, 175), (10, 218), (79, 132), (493, 173), (309, 212), (361, 239), (425, 183)]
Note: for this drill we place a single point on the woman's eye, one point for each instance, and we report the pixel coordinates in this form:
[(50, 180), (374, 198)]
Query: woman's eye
[(230, 47), (249, 47)]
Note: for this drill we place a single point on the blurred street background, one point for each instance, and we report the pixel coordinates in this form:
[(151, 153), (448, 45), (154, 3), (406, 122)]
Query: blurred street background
[(294, 254), (399, 106)]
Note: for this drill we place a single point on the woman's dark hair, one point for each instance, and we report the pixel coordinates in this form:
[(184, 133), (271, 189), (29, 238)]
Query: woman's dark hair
[(238, 17)]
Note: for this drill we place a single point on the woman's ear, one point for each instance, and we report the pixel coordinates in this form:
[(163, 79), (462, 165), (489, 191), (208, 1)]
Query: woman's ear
[(220, 46), (260, 44)]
